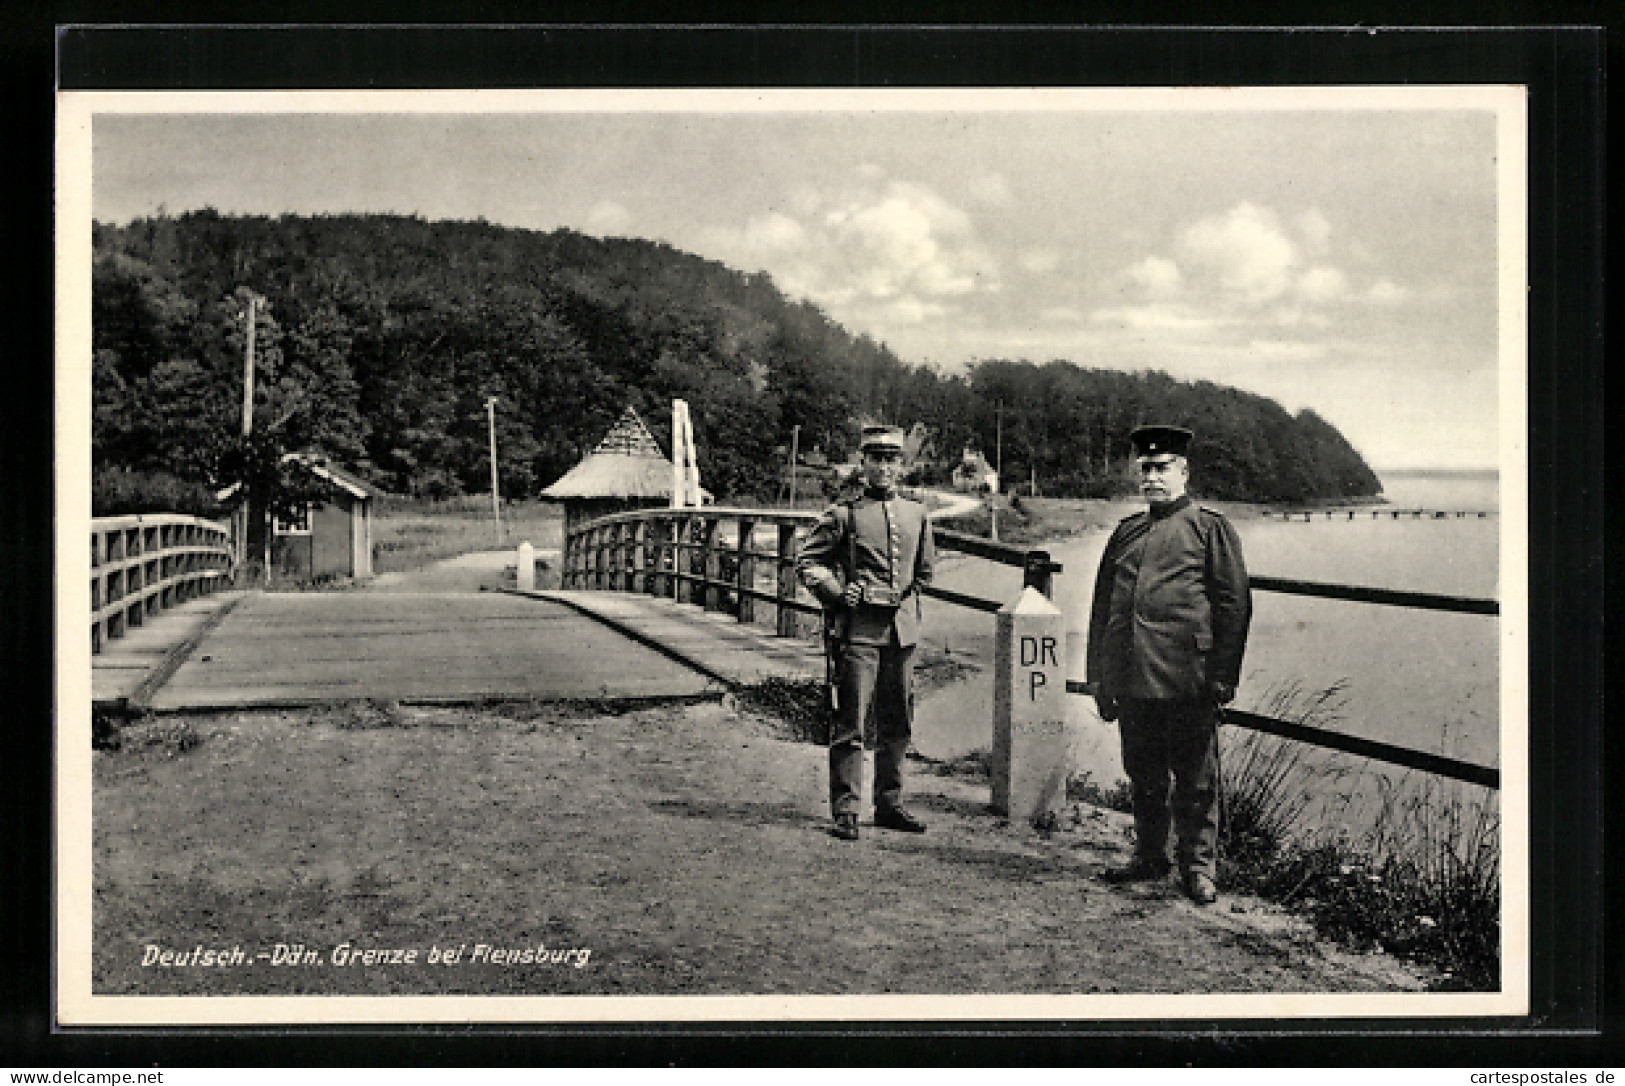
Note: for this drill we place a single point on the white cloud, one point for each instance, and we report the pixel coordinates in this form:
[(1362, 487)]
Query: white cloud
[(1156, 276), (608, 218), (889, 249), (1246, 249), (1315, 230), (1286, 350), (992, 189), (1387, 292), (1322, 284), (911, 310), (1039, 261), (1157, 317)]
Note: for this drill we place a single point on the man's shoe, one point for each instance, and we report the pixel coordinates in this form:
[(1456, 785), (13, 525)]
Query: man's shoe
[(895, 818), (1200, 888), (846, 827), (1141, 870)]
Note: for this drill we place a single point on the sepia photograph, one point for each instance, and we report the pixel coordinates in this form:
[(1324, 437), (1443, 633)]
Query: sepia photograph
[(566, 556)]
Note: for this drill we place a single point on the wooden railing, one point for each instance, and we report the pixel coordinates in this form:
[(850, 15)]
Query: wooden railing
[(142, 564), (684, 554), (681, 553)]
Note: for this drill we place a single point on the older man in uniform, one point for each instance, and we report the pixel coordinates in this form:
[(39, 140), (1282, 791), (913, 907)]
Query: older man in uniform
[(1167, 629), (866, 560)]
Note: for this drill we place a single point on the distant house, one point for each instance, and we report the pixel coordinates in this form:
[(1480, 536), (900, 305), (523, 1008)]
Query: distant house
[(624, 471), (330, 536), (974, 475)]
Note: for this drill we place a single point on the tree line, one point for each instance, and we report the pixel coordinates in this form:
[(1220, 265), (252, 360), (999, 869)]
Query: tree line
[(378, 339)]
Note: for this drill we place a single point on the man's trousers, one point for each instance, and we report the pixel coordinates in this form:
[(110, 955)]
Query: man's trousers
[(1178, 738), (881, 675)]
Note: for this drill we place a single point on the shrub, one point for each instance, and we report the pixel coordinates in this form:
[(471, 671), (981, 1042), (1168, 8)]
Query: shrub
[(116, 492)]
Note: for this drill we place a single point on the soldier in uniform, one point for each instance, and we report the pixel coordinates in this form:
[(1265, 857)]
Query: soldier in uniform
[(1167, 628), (866, 561)]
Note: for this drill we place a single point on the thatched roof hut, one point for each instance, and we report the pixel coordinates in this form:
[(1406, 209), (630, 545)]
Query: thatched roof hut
[(624, 471)]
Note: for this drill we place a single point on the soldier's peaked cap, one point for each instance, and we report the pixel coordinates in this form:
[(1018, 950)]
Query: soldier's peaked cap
[(878, 438), (1161, 440)]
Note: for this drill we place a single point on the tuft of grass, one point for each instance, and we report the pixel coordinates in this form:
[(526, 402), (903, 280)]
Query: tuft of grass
[(168, 736), (975, 764), (370, 715), (799, 707), (1423, 882), (1083, 788)]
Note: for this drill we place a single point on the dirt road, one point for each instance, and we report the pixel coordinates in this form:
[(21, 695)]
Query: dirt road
[(679, 851)]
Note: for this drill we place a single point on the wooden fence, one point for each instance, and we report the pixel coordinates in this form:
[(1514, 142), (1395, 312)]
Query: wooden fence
[(683, 554), (140, 565)]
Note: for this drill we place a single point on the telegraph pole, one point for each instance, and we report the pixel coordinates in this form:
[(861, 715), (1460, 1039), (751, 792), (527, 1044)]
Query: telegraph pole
[(248, 370), (496, 504), (795, 441)]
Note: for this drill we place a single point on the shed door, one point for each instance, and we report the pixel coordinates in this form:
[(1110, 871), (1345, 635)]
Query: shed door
[(330, 540)]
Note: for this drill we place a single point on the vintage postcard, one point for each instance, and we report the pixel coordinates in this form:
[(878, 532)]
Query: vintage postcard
[(447, 647)]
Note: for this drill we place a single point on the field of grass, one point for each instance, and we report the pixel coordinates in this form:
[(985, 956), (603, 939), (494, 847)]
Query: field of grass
[(409, 534)]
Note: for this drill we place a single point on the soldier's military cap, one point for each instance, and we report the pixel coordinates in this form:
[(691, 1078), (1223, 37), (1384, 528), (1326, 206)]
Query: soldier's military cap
[(882, 438), (1161, 440)]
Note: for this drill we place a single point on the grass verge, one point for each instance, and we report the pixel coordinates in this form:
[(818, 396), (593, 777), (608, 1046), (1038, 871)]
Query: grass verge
[(409, 533), (1423, 882)]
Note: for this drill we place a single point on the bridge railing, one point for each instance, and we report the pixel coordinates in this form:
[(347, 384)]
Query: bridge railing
[(140, 565), (681, 553), (684, 554)]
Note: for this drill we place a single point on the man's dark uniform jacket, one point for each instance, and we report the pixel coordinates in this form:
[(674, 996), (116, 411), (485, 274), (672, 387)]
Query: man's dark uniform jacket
[(1171, 606)]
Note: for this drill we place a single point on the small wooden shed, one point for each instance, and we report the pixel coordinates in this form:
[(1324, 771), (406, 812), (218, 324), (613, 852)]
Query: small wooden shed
[(332, 537), (624, 471)]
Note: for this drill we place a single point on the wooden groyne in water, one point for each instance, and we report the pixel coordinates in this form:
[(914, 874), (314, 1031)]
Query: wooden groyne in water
[(1308, 515)]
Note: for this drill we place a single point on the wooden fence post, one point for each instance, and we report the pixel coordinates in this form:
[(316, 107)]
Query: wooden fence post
[(785, 620), (745, 571), (684, 555), (712, 599)]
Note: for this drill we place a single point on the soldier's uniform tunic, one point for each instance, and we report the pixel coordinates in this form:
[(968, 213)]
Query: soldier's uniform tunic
[(893, 549), (1169, 618)]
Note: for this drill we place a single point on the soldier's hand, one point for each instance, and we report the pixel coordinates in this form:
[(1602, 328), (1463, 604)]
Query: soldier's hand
[(853, 594), (1223, 693), (1107, 707)]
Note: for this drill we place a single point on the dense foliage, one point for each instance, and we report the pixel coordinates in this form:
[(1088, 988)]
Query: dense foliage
[(379, 339)]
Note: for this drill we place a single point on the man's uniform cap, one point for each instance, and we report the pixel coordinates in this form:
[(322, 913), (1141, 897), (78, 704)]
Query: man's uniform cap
[(1161, 440), (881, 438)]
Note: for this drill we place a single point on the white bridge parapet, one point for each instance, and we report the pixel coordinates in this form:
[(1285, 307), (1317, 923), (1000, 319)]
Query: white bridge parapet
[(1033, 743)]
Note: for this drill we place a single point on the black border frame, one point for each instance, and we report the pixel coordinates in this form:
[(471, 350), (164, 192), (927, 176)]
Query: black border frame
[(1564, 70)]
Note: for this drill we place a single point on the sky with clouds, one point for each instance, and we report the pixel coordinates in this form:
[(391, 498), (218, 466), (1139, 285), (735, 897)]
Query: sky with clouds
[(1339, 259)]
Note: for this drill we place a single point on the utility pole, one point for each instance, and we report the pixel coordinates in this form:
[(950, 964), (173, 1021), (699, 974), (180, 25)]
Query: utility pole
[(998, 442), (248, 428), (998, 472), (795, 443), (248, 370), (496, 504)]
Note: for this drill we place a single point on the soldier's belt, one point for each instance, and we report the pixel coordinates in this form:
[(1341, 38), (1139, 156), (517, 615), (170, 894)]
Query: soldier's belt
[(879, 595)]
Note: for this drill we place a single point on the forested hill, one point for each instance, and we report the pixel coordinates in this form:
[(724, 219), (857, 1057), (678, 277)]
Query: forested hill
[(379, 339)]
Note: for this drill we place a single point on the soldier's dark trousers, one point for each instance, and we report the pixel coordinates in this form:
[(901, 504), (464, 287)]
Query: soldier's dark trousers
[(1177, 738), (880, 675)]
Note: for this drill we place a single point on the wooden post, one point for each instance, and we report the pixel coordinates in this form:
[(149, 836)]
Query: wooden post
[(785, 620), (1032, 742), (640, 555), (711, 600), (684, 558), (746, 571), (1036, 573)]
